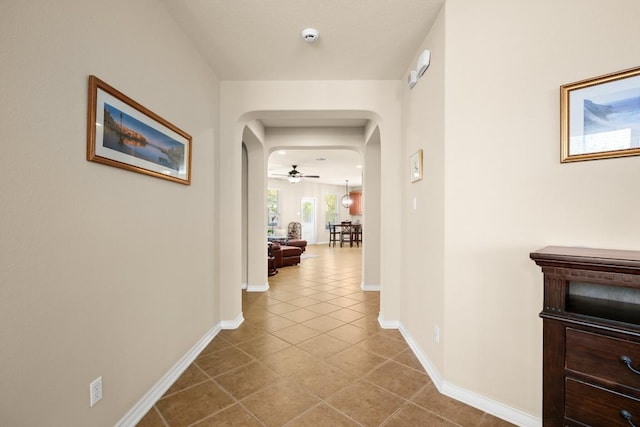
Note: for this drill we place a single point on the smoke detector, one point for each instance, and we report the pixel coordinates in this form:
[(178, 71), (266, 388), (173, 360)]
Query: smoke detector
[(310, 35)]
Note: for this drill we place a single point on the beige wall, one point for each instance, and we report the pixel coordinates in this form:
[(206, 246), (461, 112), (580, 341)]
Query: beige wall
[(103, 272), (423, 227), (505, 191), (372, 213)]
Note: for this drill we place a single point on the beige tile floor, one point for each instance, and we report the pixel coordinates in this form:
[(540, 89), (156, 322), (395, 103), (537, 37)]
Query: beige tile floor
[(310, 353)]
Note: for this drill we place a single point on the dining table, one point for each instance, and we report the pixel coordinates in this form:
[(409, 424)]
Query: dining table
[(346, 229)]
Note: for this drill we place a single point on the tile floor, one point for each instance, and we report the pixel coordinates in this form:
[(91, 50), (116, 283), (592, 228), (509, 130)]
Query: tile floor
[(310, 353)]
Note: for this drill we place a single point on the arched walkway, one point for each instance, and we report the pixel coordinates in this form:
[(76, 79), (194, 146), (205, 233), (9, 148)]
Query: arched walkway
[(245, 106)]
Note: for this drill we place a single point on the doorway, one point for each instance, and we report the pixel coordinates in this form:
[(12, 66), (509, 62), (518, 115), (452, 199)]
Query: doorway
[(308, 219)]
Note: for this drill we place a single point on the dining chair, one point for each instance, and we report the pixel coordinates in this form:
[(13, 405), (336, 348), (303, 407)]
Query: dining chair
[(356, 234), (334, 235), (346, 233)]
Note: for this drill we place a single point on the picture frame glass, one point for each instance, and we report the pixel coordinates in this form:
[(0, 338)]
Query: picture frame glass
[(127, 135), (415, 166), (601, 117)]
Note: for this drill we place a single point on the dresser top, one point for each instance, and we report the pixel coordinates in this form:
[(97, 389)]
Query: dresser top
[(586, 256)]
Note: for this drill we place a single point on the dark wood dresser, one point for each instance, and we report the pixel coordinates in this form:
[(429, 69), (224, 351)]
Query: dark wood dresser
[(591, 338)]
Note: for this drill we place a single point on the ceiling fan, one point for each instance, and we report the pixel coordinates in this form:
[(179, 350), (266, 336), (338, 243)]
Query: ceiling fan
[(295, 175)]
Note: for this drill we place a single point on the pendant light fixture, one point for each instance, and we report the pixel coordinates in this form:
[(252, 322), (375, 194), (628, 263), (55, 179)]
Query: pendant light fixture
[(346, 200)]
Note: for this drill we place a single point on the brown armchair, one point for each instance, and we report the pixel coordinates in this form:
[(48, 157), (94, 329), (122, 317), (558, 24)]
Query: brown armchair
[(285, 255)]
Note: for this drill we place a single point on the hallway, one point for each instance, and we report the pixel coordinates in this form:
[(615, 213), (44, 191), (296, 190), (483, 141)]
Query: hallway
[(310, 353)]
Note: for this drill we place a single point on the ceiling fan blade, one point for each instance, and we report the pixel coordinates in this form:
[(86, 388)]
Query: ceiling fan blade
[(294, 173)]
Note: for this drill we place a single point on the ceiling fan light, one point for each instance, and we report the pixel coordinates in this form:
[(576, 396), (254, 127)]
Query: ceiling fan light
[(294, 179)]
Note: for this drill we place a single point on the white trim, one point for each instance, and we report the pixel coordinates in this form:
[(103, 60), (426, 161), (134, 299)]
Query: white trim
[(258, 288), (143, 406), (369, 288), (500, 410), (232, 324), (433, 373), (388, 324), (495, 408), (243, 286)]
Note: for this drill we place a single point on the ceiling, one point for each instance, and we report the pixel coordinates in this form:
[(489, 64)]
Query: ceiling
[(338, 166), (261, 40)]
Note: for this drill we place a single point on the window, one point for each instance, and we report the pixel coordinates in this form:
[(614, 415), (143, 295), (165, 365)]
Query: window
[(273, 208), (332, 213)]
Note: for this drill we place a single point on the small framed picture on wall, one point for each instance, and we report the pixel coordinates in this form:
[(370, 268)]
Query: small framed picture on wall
[(600, 117), (415, 166)]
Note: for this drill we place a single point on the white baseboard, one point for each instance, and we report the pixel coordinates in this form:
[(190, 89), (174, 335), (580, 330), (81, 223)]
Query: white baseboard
[(369, 288), (243, 285), (497, 409), (258, 288), (433, 373), (388, 324), (232, 324), (143, 406), (514, 416)]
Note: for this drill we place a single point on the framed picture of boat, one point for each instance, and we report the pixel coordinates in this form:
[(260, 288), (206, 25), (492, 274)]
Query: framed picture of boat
[(600, 117), (124, 134)]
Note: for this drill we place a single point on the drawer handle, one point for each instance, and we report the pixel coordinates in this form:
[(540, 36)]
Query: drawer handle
[(627, 361), (627, 416)]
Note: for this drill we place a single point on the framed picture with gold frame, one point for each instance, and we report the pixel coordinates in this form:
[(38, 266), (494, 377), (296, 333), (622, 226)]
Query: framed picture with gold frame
[(124, 134), (600, 117), (415, 166)]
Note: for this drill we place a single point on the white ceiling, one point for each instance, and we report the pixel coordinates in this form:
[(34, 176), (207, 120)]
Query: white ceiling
[(338, 166), (260, 40)]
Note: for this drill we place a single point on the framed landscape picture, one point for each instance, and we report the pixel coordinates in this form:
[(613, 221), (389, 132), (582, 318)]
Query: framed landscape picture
[(600, 117), (124, 134)]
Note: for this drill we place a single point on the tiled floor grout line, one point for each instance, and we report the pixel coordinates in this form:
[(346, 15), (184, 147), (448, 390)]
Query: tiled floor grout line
[(186, 388), (339, 411), (160, 415)]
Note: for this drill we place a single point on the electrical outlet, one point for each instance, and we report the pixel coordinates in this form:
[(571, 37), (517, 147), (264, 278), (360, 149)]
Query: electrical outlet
[(436, 334), (95, 391)]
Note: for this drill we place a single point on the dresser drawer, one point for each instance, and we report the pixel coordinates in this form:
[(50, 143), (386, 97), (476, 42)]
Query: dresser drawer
[(599, 356), (597, 407)]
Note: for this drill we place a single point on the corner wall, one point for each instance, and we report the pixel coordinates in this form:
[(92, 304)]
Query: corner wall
[(505, 191), (423, 202), (103, 272)]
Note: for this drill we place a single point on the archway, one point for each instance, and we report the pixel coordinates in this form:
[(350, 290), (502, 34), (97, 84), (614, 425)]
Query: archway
[(242, 104), (259, 147)]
